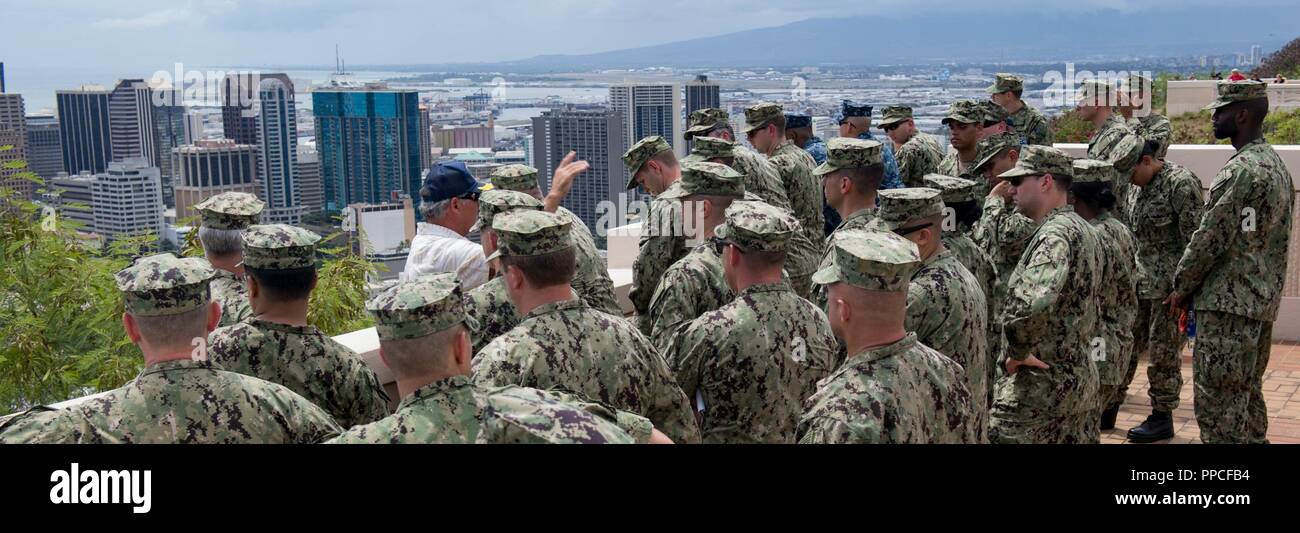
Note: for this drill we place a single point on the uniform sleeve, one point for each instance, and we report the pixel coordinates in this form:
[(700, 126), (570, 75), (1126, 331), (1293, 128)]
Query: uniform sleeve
[(493, 368), (1040, 133), (1033, 291), (1188, 201), (657, 253), (313, 425), (639, 427), (827, 430), (669, 312), (891, 181), (670, 405), (1218, 229)]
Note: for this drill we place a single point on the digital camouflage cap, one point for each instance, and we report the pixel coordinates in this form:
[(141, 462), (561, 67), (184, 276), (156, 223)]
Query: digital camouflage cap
[(760, 115), (757, 226), (707, 179), (164, 284), (641, 152), (989, 147), (705, 120), (1093, 171), (1037, 160), (706, 148), (893, 115), (898, 207), (230, 210), (414, 309), (279, 247), (993, 113), (1004, 82), (871, 260), (523, 233), (953, 190), (497, 201), (1097, 93), (965, 112), (514, 178), (1238, 91), (849, 152)]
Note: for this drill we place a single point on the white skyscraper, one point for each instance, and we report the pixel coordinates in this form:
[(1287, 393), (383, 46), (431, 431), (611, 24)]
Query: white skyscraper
[(649, 109), (277, 143)]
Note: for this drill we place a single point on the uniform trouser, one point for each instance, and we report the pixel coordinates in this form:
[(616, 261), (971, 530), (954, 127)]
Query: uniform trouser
[(802, 285), (1081, 427), (1156, 334), (1228, 364)]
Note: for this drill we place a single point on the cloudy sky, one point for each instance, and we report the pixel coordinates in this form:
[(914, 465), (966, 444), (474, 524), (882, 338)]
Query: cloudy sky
[(153, 34)]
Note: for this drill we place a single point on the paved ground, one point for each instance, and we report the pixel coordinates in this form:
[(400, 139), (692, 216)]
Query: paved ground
[(1281, 381)]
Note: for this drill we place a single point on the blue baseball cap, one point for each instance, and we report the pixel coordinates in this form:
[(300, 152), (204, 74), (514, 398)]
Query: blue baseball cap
[(450, 180)]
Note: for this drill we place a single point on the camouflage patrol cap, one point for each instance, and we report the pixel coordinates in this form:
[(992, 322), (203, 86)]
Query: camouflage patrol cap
[(1091, 92), (954, 190), (639, 153), (989, 147), (893, 115), (524, 233), (759, 115), (1093, 171), (964, 111), (797, 120), (1238, 91), (1038, 160), (514, 178), (414, 309), (871, 260), (702, 121), (848, 152), (164, 284), (900, 206), (497, 201), (279, 247), (1004, 82), (706, 148), (230, 210), (850, 109), (709, 179), (993, 113), (757, 226)]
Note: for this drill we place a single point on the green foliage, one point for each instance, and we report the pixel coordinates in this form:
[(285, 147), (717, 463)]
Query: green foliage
[(338, 304), (1283, 127), (1069, 128)]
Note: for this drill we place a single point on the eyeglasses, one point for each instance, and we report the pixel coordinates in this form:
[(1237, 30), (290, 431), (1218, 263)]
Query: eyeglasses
[(1017, 180), (720, 244), (912, 229), (891, 127), (471, 195)]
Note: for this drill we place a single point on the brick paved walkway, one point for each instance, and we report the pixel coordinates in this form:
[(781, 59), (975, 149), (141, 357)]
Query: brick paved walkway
[(1281, 381)]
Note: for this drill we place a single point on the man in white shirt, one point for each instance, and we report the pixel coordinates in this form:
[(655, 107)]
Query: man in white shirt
[(449, 207)]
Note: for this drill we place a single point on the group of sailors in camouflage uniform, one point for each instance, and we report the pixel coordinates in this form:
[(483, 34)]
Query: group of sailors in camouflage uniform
[(1000, 292)]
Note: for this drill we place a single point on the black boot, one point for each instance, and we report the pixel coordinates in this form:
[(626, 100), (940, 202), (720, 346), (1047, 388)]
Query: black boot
[(1108, 417), (1158, 426)]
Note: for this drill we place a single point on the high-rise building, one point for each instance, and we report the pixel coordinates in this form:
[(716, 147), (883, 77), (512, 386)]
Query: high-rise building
[(426, 142), (86, 139), (277, 157), (44, 150), (649, 109), (1256, 55), (239, 92), (368, 139), (130, 119), (125, 199), (210, 167), (701, 94), (463, 135), (598, 137), (169, 130), (313, 195), (13, 132)]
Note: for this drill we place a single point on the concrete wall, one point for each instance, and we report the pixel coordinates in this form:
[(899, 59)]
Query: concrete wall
[(1192, 96)]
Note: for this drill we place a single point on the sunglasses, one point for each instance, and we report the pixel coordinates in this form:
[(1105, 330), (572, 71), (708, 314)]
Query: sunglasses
[(472, 195), (720, 244), (912, 229), (891, 127), (1016, 181)]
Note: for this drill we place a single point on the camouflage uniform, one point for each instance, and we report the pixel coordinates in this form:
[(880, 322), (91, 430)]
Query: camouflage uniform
[(920, 155), (695, 284), (761, 178), (592, 280), (795, 167), (751, 363), (451, 410), (1051, 312), (301, 358), (1154, 127), (903, 392), (1164, 215), (571, 346), (844, 154), (662, 242), (493, 312), (38, 425), (1113, 142), (1117, 292), (191, 401), (958, 239), (967, 112), (892, 179), (1234, 270), (230, 211), (945, 307), (1028, 123)]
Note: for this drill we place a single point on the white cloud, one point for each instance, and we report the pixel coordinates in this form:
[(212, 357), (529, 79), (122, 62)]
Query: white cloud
[(151, 19)]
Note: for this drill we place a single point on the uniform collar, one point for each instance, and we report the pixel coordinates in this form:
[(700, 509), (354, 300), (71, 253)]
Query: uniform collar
[(446, 387), (429, 228), (276, 326), (875, 354), (946, 253), (556, 307), (179, 365), (780, 286)]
